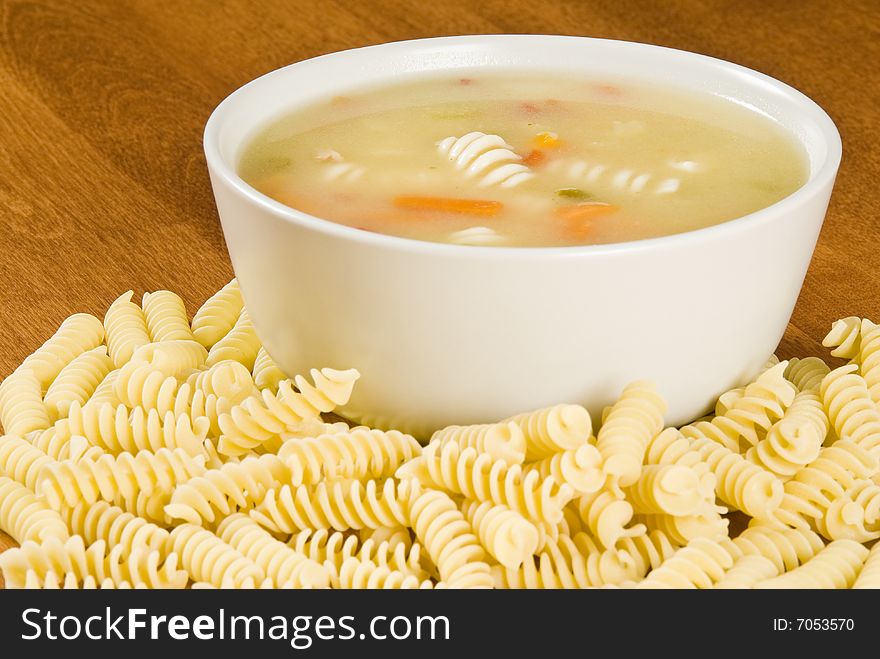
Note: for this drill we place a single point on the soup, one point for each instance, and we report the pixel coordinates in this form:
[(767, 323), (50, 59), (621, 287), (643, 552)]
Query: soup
[(528, 160)]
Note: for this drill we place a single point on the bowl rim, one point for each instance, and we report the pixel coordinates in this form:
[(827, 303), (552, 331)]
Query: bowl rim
[(825, 174)]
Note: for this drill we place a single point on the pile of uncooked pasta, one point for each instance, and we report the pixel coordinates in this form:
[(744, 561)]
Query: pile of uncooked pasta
[(146, 450)]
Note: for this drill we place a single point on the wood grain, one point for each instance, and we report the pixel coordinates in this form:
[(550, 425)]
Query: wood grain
[(103, 185)]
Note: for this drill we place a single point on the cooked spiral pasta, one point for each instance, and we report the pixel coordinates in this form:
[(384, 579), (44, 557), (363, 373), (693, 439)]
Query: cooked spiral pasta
[(126, 329), (240, 343), (339, 505), (22, 461), (850, 408), (631, 424), (146, 472), (503, 441), (795, 440), (21, 404), (116, 430), (869, 358), (286, 567), (24, 516), (53, 560), (207, 558), (78, 333), (700, 564), (477, 476), (231, 487), (487, 157), (740, 483), (607, 515), (506, 535), (853, 516), (113, 525), (671, 489), (786, 548), (267, 374), (217, 315), (580, 468), (835, 566), (77, 381), (844, 337), (553, 429), (747, 571), (747, 420), (358, 574), (166, 318), (449, 540), (869, 576), (359, 453), (806, 374)]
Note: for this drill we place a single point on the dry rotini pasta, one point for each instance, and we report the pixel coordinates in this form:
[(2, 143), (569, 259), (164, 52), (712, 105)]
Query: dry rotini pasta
[(869, 576), (77, 381), (207, 558), (502, 441), (834, 566), (267, 374), (806, 374), (125, 328), (165, 314), (580, 468), (869, 358), (747, 571), (22, 461), (506, 535), (608, 515), (217, 315), (113, 525), (700, 564), (21, 404), (24, 516), (850, 408), (553, 429), (240, 344), (844, 337), (77, 334)]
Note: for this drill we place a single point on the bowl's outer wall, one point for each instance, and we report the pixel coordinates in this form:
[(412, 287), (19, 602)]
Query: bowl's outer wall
[(474, 335)]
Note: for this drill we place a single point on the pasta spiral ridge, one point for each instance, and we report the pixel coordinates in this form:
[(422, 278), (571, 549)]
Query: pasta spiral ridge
[(673, 490), (78, 333), (231, 487), (208, 558), (361, 453), (217, 315), (113, 525), (607, 515), (553, 429), (125, 328), (339, 505), (77, 381), (682, 529), (631, 424), (105, 392), (21, 404), (145, 472), (869, 576), (240, 343), (487, 157), (24, 516), (700, 564), (506, 535), (503, 441), (152, 374), (449, 540), (165, 315), (267, 374), (869, 358), (580, 468), (358, 574), (835, 566), (786, 548), (844, 337), (258, 420), (806, 374), (747, 571), (850, 408), (853, 516), (22, 461), (286, 567)]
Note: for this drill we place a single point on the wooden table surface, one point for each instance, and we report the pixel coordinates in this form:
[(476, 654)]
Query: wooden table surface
[(103, 185)]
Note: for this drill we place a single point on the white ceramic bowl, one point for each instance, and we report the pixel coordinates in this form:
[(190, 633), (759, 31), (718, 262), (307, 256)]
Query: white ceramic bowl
[(451, 334)]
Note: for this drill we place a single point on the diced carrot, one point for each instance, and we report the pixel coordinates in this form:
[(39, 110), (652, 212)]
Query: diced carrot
[(465, 81), (484, 207), (534, 158), (547, 140), (585, 211), (529, 109), (609, 90)]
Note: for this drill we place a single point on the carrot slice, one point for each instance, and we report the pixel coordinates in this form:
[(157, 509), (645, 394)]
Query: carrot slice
[(484, 207), (547, 140), (534, 158), (585, 211)]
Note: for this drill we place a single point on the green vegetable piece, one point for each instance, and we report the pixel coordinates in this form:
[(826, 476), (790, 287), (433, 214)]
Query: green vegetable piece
[(573, 193)]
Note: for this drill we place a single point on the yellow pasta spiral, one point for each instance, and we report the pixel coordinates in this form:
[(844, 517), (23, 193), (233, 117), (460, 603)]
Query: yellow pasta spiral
[(358, 574), (258, 420), (630, 425), (361, 453), (325, 546), (126, 329), (113, 525), (700, 564), (24, 516), (77, 381), (786, 548), (607, 515), (869, 358), (477, 476), (106, 390), (747, 571), (207, 558), (166, 318), (671, 489), (240, 344), (224, 490), (146, 472), (869, 577), (580, 468), (22, 461), (503, 441), (340, 505), (740, 483), (21, 404), (78, 333), (217, 315), (506, 535), (683, 529), (806, 374), (853, 516), (153, 372), (850, 408), (844, 337), (449, 540), (795, 440), (267, 374), (835, 566), (286, 567), (553, 429)]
